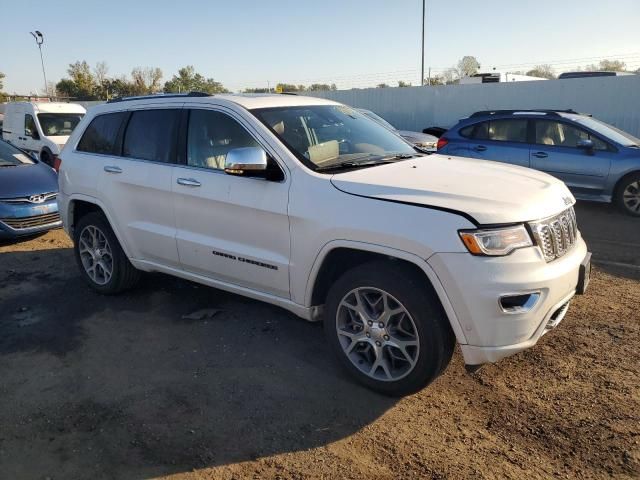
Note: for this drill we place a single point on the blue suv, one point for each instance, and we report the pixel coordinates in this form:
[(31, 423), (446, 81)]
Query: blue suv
[(597, 161)]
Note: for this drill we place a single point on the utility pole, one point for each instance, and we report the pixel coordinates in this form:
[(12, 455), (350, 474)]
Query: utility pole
[(422, 46), (39, 38)]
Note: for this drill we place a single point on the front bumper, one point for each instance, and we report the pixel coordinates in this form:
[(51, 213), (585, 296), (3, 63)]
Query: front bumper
[(22, 219), (475, 284)]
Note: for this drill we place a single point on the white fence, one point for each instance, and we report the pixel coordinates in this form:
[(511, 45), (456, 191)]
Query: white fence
[(615, 100)]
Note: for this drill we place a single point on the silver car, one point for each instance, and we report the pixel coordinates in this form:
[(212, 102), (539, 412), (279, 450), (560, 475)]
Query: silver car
[(421, 140)]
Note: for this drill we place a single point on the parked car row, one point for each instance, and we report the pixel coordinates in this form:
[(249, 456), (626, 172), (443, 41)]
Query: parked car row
[(333, 214)]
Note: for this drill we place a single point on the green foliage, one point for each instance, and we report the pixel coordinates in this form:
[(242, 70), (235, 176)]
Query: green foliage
[(2, 77), (316, 87), (81, 83), (187, 80), (382, 85), (402, 83)]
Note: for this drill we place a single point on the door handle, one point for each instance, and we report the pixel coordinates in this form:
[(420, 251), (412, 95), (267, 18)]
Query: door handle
[(112, 169), (540, 155), (480, 148), (188, 182)]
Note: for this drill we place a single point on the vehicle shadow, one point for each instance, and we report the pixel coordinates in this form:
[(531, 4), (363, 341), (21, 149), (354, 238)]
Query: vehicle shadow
[(127, 387), (612, 237)]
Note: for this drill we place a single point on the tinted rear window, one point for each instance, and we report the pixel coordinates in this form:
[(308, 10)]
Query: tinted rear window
[(102, 133), (151, 135)]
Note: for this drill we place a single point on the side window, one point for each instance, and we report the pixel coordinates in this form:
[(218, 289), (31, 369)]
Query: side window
[(211, 136), (151, 135), (549, 132), (479, 131), (102, 133), (508, 130), (30, 129)]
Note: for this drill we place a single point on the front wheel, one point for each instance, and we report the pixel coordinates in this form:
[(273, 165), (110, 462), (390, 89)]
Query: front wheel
[(628, 194), (387, 328)]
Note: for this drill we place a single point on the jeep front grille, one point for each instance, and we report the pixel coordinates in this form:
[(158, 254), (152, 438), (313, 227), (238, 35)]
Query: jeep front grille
[(556, 235)]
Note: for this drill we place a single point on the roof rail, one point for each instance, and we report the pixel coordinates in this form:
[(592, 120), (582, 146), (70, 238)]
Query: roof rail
[(550, 112), (163, 96)]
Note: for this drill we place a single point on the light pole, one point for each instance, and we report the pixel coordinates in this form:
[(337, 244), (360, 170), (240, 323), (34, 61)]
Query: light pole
[(39, 38), (422, 46)]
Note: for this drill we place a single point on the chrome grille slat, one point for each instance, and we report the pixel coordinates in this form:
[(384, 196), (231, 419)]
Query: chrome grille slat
[(21, 223), (556, 235)]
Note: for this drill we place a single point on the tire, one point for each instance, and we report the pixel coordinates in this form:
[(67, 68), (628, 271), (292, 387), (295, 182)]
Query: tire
[(627, 196), (123, 275), (46, 157), (422, 328)]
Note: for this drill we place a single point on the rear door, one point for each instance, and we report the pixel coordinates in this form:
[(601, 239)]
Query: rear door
[(230, 228), (502, 140), (555, 152), (136, 184)]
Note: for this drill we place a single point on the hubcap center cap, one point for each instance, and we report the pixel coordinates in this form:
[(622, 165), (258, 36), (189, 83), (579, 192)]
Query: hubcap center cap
[(377, 333)]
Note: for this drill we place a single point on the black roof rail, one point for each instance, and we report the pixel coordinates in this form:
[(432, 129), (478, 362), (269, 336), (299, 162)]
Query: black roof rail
[(163, 96), (551, 112), (288, 93)]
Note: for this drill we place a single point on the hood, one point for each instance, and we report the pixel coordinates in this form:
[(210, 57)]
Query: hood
[(25, 180), (489, 192), (418, 137)]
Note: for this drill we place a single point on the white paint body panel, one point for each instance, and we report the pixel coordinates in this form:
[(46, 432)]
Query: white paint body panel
[(411, 210)]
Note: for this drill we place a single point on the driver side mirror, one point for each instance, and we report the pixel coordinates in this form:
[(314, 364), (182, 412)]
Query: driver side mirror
[(586, 145), (246, 161)]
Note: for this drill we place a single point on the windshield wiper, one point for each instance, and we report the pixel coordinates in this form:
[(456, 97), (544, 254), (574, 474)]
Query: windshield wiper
[(351, 164)]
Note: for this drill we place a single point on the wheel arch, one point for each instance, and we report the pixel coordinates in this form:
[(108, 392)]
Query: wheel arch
[(338, 256), (618, 184), (80, 205)]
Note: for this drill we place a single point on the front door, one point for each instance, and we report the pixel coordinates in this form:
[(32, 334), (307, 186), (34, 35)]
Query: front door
[(230, 228), (555, 151)]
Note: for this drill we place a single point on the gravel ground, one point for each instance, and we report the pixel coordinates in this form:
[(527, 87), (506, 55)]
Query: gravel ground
[(126, 387)]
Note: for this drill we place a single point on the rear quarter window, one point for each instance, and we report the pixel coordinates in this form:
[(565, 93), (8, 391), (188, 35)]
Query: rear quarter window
[(101, 136)]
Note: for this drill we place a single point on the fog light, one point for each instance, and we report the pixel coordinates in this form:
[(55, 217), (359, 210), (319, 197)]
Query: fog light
[(519, 303)]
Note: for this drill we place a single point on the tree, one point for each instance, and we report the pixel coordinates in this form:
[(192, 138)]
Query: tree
[(542, 71), (607, 65), (435, 80), (315, 87), (257, 90), (2, 77), (402, 83), (382, 85), (187, 80), (81, 83), (467, 66), (146, 80), (450, 76)]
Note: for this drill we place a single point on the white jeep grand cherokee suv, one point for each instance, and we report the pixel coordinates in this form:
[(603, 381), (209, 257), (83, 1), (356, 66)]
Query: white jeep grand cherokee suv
[(309, 205)]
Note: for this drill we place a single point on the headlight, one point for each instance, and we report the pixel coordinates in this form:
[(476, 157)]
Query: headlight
[(496, 241)]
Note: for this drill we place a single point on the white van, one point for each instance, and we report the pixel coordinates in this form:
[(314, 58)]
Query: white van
[(41, 128)]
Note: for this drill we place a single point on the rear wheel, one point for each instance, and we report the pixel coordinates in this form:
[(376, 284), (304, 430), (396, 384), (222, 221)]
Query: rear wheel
[(387, 328), (103, 263), (627, 195)]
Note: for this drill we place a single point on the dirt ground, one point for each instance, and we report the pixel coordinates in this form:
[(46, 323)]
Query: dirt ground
[(126, 388)]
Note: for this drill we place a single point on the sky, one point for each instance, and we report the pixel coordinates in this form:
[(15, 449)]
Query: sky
[(353, 43)]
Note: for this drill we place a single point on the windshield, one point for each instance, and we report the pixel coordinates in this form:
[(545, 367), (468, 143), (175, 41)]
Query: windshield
[(608, 131), (12, 157), (377, 118), (54, 124), (323, 135)]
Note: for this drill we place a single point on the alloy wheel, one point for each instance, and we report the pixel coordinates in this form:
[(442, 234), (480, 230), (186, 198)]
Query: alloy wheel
[(631, 197), (95, 254), (377, 334)]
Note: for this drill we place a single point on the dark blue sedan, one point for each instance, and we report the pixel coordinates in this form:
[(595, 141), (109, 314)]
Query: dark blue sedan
[(597, 161), (28, 191)]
